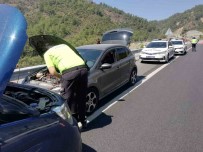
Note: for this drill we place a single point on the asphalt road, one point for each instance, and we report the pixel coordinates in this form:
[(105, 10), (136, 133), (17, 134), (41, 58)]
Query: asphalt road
[(163, 113)]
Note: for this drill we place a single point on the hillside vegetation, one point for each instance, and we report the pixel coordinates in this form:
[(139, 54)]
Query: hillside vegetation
[(183, 22), (79, 21), (83, 22)]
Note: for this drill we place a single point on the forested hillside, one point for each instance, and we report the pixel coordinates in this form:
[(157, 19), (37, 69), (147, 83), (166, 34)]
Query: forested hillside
[(79, 21), (189, 20), (83, 22)]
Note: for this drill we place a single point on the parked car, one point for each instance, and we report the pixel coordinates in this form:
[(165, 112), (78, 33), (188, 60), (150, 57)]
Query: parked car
[(157, 50), (179, 45), (117, 36), (31, 119), (111, 66)]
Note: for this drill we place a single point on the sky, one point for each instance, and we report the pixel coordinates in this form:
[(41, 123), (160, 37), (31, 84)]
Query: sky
[(152, 9)]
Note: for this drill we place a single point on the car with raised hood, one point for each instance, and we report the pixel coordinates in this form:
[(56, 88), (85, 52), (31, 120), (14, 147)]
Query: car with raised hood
[(111, 66), (118, 36), (31, 118), (179, 46), (157, 50)]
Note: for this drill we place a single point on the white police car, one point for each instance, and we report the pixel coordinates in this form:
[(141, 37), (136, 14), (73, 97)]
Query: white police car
[(179, 45), (157, 50)]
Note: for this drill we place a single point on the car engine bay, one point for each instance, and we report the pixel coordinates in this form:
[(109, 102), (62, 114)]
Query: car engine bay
[(44, 80), (33, 98), (20, 101)]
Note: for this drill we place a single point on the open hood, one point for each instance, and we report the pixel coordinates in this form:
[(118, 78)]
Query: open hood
[(41, 43), (117, 36), (13, 37)]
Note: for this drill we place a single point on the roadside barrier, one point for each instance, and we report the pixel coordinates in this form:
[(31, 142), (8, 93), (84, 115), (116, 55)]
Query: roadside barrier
[(20, 73)]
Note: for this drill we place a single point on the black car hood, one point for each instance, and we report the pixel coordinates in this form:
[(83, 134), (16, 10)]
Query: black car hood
[(117, 36), (13, 37), (41, 43)]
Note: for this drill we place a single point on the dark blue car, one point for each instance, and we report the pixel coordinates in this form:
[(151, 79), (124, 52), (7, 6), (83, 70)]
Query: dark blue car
[(31, 119)]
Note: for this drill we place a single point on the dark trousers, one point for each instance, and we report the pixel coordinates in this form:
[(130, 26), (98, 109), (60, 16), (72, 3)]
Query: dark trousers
[(193, 47), (74, 90)]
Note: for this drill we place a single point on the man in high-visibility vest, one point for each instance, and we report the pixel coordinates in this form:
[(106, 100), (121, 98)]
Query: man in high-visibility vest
[(74, 76), (194, 42)]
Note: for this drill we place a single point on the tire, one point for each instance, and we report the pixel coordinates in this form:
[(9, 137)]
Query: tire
[(133, 77), (185, 52), (167, 59), (92, 99)]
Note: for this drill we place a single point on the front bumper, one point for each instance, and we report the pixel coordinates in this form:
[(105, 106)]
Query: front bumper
[(155, 57), (179, 51)]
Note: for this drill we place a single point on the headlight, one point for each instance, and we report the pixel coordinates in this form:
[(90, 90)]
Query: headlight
[(64, 112), (142, 53), (164, 52)]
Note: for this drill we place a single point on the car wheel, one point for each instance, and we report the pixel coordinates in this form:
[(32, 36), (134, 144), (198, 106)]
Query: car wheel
[(185, 52), (167, 58), (133, 77), (91, 100)]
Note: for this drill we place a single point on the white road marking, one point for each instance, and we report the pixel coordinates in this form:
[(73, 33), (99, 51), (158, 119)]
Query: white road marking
[(128, 91)]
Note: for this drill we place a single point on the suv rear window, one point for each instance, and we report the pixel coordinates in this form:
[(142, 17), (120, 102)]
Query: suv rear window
[(116, 36)]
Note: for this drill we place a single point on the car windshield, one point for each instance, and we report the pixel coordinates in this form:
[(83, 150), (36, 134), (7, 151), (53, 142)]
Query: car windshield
[(117, 36), (156, 45), (177, 42), (90, 56)]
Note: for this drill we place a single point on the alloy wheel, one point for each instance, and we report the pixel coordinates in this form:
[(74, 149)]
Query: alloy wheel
[(133, 77), (91, 101)]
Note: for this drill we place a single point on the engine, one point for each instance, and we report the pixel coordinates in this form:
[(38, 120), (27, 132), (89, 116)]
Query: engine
[(44, 80), (35, 100)]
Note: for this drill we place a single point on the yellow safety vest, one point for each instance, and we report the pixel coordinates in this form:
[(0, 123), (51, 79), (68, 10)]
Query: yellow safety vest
[(194, 41), (62, 57)]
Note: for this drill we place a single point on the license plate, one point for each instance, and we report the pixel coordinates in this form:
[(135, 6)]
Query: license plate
[(150, 57)]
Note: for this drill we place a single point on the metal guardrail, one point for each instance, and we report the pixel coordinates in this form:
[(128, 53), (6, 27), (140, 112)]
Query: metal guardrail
[(20, 73)]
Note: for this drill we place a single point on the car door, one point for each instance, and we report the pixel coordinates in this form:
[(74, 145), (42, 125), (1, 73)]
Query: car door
[(184, 46), (170, 49), (29, 135), (124, 64), (109, 78)]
